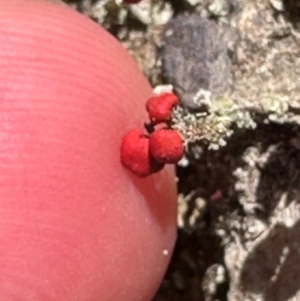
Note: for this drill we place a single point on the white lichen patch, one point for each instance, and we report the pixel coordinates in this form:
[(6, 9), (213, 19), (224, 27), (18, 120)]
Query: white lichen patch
[(201, 126), (249, 177), (277, 5), (108, 12), (188, 219), (214, 276), (219, 8), (214, 125), (162, 89), (194, 2), (152, 12)]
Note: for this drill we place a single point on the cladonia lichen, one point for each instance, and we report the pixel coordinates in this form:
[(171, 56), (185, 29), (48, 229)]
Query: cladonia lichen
[(220, 117), (214, 124)]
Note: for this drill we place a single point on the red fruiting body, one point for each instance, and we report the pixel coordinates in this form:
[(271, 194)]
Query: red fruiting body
[(166, 146), (160, 107), (135, 154)]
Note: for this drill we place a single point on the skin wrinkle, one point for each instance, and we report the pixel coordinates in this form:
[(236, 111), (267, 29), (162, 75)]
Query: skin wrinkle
[(75, 58)]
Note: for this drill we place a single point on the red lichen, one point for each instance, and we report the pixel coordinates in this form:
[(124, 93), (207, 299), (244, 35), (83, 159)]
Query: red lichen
[(135, 154), (160, 107), (166, 146)]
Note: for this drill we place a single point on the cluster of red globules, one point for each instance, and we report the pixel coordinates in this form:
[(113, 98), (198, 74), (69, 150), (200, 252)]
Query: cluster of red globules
[(144, 154)]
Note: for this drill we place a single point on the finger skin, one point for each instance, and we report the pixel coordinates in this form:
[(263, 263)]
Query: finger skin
[(74, 224)]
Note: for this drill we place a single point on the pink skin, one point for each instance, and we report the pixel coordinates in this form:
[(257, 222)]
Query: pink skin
[(75, 225)]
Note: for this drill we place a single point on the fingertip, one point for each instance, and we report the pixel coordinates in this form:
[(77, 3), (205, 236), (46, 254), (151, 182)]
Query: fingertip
[(82, 223)]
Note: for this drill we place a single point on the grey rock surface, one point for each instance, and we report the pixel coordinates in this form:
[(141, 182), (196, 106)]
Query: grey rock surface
[(195, 57)]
